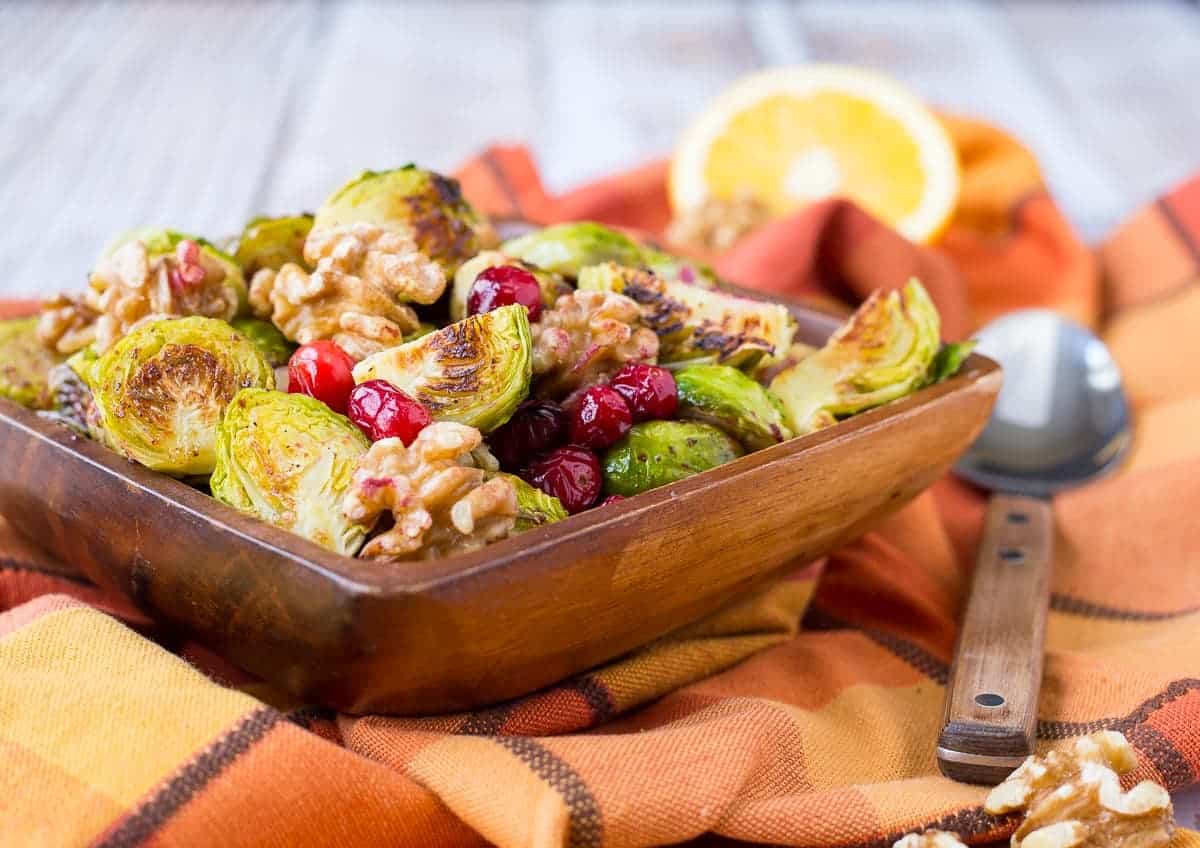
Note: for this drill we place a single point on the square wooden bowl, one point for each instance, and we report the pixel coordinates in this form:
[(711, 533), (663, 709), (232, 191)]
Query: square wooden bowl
[(478, 628)]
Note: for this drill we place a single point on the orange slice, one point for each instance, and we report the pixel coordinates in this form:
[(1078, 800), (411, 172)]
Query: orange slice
[(789, 136)]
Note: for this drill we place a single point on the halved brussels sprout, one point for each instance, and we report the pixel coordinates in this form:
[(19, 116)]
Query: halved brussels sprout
[(534, 507), (949, 360), (693, 322), (475, 372), (430, 207), (72, 401), (728, 399), (25, 364), (288, 459), (882, 353), (423, 330), (655, 453), (272, 243), (671, 267), (271, 343), (569, 248), (162, 242), (551, 284), (160, 391)]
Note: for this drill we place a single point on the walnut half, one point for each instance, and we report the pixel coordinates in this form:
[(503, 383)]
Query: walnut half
[(358, 293), (1073, 797), (587, 336), (436, 492)]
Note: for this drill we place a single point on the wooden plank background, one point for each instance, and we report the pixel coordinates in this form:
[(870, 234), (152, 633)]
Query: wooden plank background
[(199, 115)]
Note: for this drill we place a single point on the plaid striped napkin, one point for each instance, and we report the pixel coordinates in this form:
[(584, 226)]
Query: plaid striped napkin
[(804, 715)]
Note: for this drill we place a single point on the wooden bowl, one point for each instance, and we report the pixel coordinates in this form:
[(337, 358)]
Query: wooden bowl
[(482, 627)]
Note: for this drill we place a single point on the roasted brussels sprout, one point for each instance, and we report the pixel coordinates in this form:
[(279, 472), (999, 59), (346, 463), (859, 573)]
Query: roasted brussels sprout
[(161, 390), (692, 321), (671, 267), (569, 248), (423, 330), (475, 372), (272, 243), (534, 507), (551, 284), (655, 453), (428, 206), (271, 343), (72, 402), (25, 364), (949, 360), (728, 399), (288, 459), (882, 353)]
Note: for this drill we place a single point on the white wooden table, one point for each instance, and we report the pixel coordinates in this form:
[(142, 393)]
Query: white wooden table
[(200, 115)]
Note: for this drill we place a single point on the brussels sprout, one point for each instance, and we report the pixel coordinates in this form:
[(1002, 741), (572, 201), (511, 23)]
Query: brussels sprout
[(160, 391), (948, 360), (671, 267), (288, 459), (25, 364), (161, 242), (534, 507), (727, 398), (475, 372), (552, 285), (568, 248), (427, 205), (655, 453), (882, 353), (271, 343), (692, 321), (272, 243), (72, 400)]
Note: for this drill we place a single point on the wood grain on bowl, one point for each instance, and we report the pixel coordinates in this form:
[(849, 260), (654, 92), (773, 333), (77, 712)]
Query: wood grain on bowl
[(464, 631)]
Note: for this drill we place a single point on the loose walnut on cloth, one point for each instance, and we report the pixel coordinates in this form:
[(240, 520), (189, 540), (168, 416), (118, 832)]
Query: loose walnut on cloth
[(364, 276), (716, 224), (587, 336), (1073, 797), (128, 287), (929, 839), (435, 490)]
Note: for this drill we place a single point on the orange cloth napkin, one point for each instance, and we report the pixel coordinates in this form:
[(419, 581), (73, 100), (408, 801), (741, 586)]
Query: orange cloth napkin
[(803, 715)]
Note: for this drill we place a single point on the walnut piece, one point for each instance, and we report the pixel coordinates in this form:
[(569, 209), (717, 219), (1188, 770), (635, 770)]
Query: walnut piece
[(587, 336), (436, 492), (929, 839), (129, 286), (718, 224), (357, 295), (1073, 797)]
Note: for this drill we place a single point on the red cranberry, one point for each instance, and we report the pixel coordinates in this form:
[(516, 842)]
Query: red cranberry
[(572, 474), (536, 427), (503, 285), (324, 371), (600, 417), (383, 411), (648, 390), (612, 499)]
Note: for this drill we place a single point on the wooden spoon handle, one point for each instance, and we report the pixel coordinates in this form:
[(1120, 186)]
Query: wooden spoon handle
[(992, 696)]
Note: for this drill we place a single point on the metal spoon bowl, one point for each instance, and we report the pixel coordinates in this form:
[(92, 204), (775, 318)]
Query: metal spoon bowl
[(1061, 420)]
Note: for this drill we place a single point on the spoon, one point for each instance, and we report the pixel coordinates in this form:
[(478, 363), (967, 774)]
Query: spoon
[(1061, 420)]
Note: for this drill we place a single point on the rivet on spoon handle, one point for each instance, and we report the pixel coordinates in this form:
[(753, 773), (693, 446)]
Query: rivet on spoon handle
[(992, 695)]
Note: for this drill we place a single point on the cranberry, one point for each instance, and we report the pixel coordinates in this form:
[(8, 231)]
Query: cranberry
[(649, 390), (186, 271), (536, 427), (324, 371), (383, 411), (600, 417), (612, 499), (503, 285), (572, 474)]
